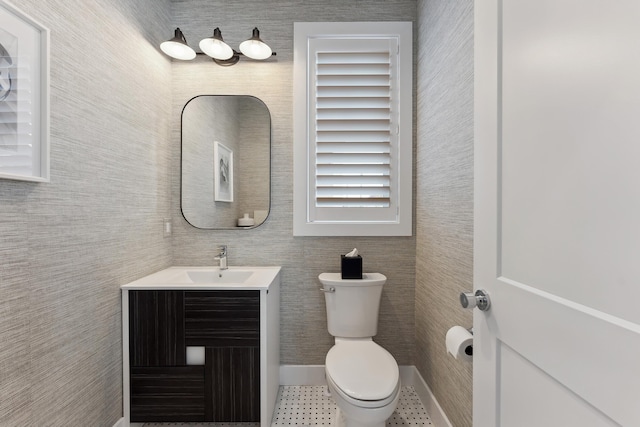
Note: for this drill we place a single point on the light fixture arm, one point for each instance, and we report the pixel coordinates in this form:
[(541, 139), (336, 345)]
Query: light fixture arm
[(217, 34), (235, 58), (179, 35)]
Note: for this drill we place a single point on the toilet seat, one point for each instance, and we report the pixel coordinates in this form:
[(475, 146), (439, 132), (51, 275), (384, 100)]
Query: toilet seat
[(365, 404), (363, 373)]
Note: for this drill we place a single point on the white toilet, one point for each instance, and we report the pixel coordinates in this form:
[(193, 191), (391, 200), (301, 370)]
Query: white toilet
[(363, 377)]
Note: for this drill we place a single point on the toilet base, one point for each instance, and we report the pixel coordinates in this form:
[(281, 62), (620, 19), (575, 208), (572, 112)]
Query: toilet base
[(340, 420)]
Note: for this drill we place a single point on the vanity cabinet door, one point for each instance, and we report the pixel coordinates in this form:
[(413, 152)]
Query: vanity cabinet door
[(227, 324), (232, 384), (167, 394), (162, 388), (156, 328)]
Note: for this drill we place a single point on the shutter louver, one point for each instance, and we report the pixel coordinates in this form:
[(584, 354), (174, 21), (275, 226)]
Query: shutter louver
[(353, 129)]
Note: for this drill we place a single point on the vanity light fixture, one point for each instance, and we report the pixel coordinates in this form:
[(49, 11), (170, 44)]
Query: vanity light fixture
[(217, 49), (178, 48), (215, 46), (255, 48)]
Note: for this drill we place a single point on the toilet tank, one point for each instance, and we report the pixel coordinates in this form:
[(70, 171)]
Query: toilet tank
[(352, 304)]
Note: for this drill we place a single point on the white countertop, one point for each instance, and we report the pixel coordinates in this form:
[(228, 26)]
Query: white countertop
[(207, 278)]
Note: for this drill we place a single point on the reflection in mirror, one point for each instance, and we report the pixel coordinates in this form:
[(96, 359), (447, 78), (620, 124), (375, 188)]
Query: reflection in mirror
[(226, 148)]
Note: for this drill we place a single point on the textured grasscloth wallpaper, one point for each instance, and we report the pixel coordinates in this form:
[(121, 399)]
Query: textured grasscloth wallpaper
[(304, 336), (444, 205), (67, 246)]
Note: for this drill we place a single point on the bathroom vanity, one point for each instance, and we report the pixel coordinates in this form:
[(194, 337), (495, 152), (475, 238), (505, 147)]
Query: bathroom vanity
[(201, 345)]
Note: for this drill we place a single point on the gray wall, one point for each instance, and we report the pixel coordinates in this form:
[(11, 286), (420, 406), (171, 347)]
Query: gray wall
[(67, 246), (304, 335), (444, 205)]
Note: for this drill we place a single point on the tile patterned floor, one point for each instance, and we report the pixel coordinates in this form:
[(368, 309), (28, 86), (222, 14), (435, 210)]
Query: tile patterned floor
[(201, 425), (306, 406)]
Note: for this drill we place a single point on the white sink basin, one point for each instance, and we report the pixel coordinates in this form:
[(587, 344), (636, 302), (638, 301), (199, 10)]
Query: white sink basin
[(208, 278)]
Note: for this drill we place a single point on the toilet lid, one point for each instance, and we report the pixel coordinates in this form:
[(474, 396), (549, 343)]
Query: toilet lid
[(362, 369)]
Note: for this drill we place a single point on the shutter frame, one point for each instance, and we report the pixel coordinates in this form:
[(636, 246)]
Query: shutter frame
[(353, 128)]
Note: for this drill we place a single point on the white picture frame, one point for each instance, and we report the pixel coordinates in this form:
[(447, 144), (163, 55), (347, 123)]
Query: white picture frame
[(24, 96), (222, 173)]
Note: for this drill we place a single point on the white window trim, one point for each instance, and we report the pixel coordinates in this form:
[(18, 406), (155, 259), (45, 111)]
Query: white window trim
[(303, 224)]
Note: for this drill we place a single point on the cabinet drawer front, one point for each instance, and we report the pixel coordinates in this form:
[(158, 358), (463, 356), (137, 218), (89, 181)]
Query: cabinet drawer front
[(156, 328), (222, 318), (168, 394)]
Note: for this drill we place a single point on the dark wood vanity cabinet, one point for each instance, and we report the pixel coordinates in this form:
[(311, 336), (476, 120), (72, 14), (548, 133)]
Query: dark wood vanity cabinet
[(162, 324)]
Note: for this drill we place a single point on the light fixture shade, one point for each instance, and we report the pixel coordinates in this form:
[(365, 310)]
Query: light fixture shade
[(178, 48), (255, 48), (215, 46)]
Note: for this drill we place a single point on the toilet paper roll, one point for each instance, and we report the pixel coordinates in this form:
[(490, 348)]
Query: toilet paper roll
[(460, 343)]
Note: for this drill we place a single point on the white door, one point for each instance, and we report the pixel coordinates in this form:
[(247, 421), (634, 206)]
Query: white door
[(557, 202)]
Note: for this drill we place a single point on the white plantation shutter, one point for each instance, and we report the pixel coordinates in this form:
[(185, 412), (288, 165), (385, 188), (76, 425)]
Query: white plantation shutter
[(353, 121), (353, 132)]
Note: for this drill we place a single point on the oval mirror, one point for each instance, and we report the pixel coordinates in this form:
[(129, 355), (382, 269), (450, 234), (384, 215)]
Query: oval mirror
[(226, 162)]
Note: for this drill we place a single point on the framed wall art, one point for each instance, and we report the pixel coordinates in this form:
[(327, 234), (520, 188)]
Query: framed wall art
[(223, 173), (24, 96)]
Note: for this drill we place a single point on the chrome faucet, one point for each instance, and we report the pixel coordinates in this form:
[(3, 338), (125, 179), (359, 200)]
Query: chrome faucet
[(222, 257)]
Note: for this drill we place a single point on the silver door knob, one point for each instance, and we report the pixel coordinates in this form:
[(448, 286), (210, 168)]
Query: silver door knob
[(478, 299)]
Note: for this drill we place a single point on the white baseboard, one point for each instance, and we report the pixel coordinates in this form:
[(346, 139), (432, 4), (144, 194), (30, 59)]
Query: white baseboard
[(409, 375), (122, 423), (302, 375), (437, 415)]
